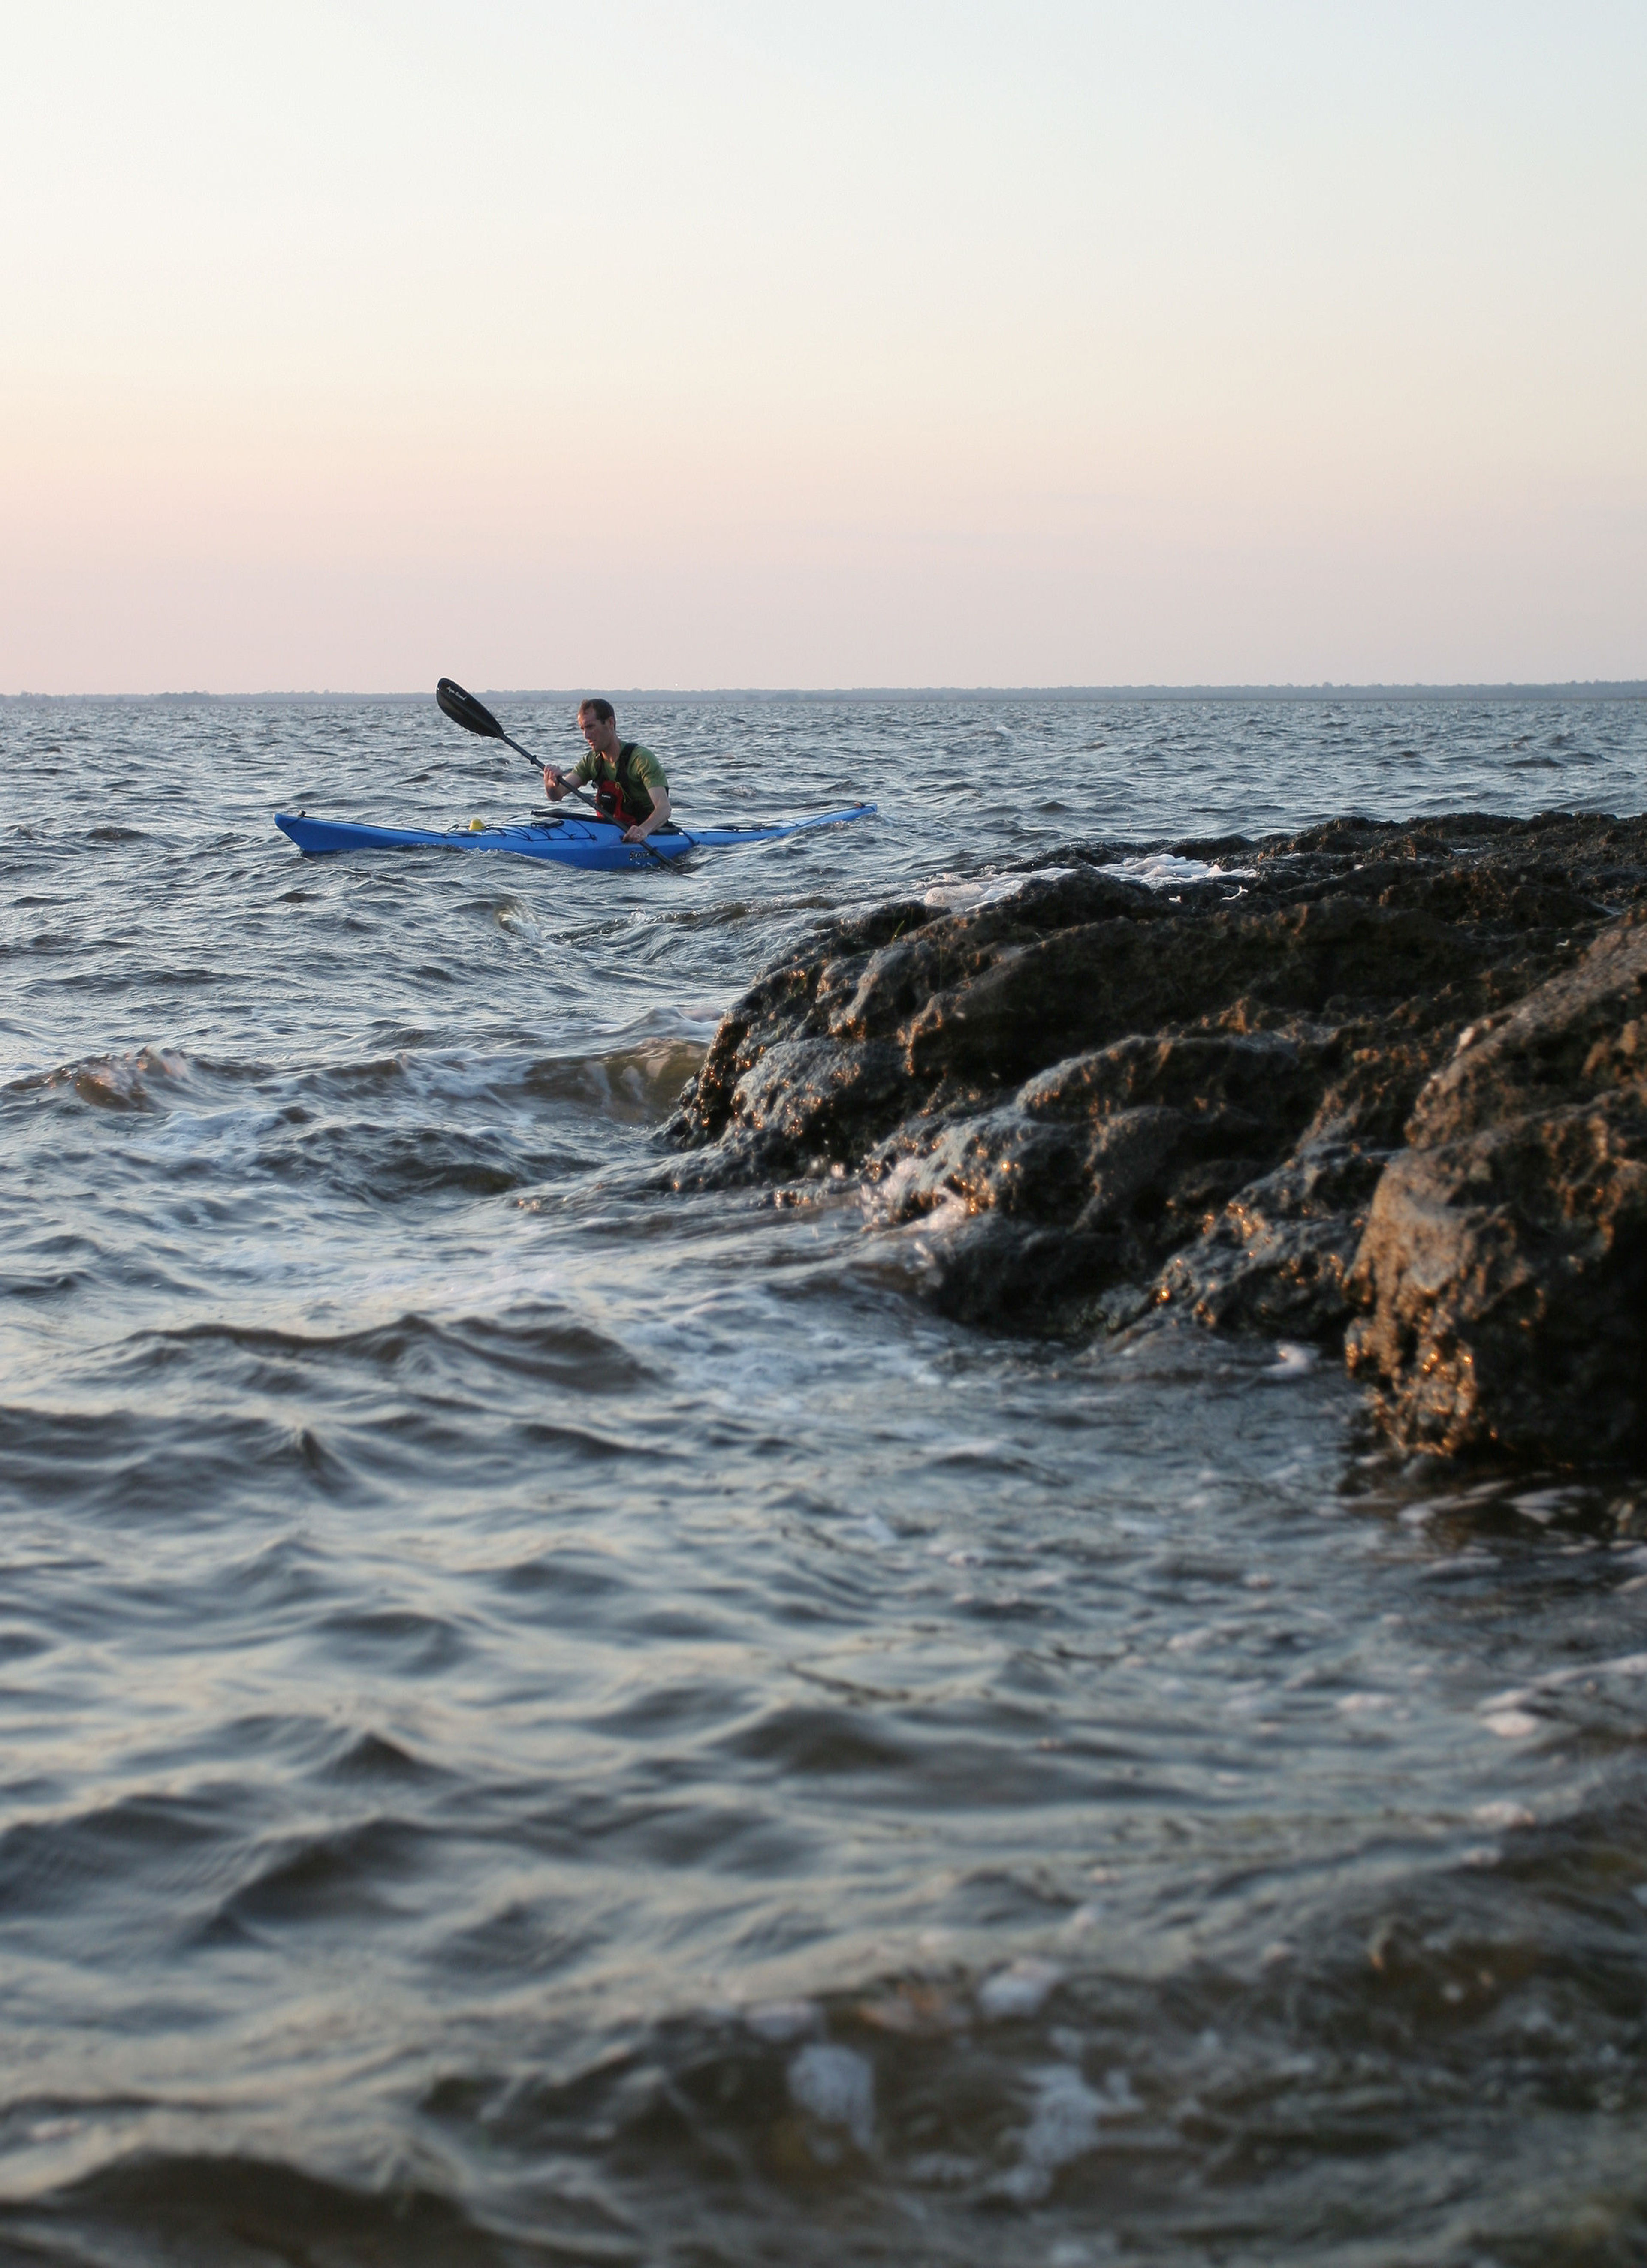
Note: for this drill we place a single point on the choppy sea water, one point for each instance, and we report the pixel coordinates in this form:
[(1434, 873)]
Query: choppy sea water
[(543, 1720)]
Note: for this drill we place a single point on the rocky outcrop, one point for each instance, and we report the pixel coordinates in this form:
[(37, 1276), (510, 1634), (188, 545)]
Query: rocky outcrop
[(1505, 1257), (1098, 1103)]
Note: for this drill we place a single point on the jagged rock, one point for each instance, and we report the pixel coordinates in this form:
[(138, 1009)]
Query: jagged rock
[(1089, 1101), (1505, 1257), (1124, 1148), (1278, 1258)]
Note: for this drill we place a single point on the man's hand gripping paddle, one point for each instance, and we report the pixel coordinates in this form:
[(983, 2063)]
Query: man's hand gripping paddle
[(475, 717)]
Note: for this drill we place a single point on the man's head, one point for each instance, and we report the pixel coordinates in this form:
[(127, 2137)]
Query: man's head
[(597, 721)]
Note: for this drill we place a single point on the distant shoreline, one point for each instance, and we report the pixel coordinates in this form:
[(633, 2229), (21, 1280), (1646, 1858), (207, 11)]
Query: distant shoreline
[(1574, 688)]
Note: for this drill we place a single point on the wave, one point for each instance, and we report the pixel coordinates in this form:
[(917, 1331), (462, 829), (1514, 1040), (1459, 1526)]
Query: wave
[(1356, 2074)]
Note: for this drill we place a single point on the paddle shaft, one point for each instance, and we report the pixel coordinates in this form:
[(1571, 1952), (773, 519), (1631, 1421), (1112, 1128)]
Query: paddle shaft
[(538, 768)]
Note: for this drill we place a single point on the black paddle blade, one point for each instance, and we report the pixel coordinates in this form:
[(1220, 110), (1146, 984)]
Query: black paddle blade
[(464, 709)]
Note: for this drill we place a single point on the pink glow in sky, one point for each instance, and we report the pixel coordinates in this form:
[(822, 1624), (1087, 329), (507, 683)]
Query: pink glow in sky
[(752, 344)]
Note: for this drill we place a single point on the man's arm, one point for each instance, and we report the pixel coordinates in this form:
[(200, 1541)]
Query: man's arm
[(656, 817), (558, 784)]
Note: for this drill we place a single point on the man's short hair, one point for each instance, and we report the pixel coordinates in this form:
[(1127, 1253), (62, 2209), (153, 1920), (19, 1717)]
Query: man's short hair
[(602, 711)]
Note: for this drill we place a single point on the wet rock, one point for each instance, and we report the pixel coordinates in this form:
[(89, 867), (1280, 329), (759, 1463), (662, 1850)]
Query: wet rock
[(1505, 1257), (1095, 1168), (1279, 1257), (1083, 1101)]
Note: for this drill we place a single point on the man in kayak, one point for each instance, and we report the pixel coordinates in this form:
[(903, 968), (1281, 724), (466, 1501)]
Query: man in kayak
[(629, 782)]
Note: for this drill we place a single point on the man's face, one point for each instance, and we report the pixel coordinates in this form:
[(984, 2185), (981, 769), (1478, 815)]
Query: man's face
[(601, 732)]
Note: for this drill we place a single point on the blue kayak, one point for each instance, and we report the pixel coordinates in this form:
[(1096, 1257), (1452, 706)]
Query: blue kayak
[(597, 843)]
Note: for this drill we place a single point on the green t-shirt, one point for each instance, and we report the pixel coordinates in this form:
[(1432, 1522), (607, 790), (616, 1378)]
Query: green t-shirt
[(645, 776)]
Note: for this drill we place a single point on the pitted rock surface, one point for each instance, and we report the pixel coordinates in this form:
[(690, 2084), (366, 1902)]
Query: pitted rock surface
[(1505, 1257), (1097, 1102)]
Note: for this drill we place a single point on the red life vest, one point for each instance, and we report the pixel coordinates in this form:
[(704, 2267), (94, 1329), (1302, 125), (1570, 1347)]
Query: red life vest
[(623, 799)]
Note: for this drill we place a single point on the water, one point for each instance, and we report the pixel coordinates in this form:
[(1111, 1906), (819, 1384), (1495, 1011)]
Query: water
[(546, 1721)]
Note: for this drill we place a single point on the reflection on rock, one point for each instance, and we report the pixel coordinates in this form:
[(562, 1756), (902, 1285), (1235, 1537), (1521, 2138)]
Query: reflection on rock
[(1103, 1101)]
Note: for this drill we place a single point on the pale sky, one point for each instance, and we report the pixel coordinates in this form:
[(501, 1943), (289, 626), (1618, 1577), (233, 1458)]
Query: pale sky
[(724, 343)]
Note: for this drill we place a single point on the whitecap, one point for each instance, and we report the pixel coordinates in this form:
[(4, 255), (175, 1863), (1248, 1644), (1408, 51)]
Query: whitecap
[(779, 2021), (1064, 2123), (1618, 1665), (1163, 870), (1292, 1360), (1501, 1812), (1468, 1562), (837, 2086), (958, 897), (1021, 1990), (1084, 1918)]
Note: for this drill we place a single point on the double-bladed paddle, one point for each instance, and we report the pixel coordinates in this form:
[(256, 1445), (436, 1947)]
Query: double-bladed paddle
[(475, 717)]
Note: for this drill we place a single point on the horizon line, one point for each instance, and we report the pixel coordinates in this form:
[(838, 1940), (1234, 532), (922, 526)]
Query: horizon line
[(1325, 688)]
